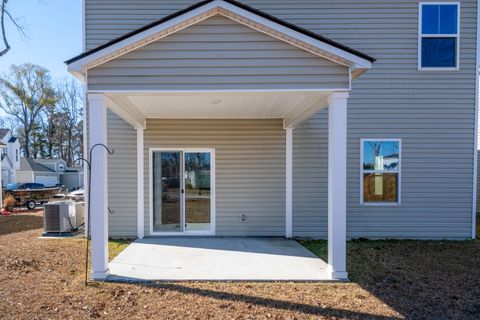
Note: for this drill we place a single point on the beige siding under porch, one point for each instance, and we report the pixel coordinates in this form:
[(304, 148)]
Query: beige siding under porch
[(250, 169)]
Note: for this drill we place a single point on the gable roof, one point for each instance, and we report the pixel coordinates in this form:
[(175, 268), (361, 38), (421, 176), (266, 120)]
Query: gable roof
[(232, 9), (27, 164), (6, 160), (3, 132)]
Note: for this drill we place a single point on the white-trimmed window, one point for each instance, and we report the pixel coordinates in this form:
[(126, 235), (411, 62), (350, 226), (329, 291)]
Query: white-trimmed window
[(439, 36), (380, 171)]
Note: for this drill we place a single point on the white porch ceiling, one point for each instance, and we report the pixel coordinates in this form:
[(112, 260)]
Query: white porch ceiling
[(293, 107)]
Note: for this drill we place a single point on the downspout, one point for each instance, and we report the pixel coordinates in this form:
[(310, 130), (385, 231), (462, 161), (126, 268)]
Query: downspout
[(475, 150)]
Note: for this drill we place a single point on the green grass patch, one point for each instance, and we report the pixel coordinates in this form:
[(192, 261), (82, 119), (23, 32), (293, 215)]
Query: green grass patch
[(318, 247), (370, 261), (115, 246)]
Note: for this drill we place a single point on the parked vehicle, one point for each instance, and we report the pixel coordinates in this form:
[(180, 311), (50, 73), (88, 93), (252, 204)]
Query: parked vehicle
[(29, 194), (24, 186), (77, 195), (31, 186), (11, 186)]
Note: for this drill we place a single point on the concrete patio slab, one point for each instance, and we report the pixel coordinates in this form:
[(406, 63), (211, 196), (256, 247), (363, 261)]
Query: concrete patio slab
[(214, 258)]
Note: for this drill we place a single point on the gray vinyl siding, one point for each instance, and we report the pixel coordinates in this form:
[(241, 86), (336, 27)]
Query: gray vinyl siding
[(310, 171), (249, 175), (432, 112), (122, 178), (218, 54)]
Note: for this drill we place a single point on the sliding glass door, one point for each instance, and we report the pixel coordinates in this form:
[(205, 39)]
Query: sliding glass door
[(167, 191), (197, 191), (182, 191)]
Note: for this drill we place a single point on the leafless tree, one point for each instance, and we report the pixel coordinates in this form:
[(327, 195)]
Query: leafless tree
[(3, 16), (49, 125), (25, 92), (69, 108)]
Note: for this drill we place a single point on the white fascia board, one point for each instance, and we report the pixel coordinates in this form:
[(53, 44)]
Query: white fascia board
[(79, 65)]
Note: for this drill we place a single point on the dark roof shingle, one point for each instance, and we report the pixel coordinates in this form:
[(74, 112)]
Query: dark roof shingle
[(27, 164), (3, 132)]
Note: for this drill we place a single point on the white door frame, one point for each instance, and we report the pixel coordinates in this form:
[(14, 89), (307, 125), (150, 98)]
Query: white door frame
[(210, 232)]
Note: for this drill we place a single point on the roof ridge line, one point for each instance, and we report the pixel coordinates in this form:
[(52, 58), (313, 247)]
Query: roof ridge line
[(238, 5)]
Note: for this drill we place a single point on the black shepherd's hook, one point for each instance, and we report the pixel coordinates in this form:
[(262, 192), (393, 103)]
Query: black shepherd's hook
[(87, 225)]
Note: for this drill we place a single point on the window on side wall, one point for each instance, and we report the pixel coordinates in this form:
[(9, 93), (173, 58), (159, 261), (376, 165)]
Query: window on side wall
[(439, 36), (380, 171)]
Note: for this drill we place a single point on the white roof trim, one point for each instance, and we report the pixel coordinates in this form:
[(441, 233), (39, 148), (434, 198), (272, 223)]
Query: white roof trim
[(357, 64)]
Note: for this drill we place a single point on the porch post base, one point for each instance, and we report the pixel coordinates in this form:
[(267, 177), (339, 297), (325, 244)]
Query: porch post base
[(337, 275), (99, 275)]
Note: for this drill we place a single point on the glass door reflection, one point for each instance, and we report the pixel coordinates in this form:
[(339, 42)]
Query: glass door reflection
[(197, 191), (167, 196)]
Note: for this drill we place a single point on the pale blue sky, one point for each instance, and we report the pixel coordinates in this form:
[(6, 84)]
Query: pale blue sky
[(54, 34)]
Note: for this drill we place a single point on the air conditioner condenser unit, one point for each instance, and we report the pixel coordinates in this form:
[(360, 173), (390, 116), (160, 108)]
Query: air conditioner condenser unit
[(57, 217)]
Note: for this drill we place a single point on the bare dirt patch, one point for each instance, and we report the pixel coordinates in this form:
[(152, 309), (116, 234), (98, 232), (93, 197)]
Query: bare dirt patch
[(53, 286)]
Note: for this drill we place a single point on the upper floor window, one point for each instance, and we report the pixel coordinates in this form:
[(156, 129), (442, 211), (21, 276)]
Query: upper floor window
[(380, 170), (439, 36)]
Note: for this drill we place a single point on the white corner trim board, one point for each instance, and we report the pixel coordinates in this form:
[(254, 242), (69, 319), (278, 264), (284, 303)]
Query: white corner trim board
[(475, 147)]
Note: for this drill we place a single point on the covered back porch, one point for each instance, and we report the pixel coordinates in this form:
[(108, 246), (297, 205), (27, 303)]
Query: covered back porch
[(223, 62), (280, 165)]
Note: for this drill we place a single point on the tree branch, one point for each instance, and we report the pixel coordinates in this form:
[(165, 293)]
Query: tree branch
[(19, 27), (2, 25)]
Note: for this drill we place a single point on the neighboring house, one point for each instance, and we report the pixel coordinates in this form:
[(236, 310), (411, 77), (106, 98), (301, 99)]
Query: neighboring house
[(31, 171), (10, 156), (72, 178), (325, 119), (50, 172)]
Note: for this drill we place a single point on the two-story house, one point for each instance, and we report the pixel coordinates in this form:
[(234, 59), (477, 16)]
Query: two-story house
[(10, 156), (320, 118)]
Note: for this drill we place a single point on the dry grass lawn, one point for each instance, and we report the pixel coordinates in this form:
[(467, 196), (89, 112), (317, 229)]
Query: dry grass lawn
[(43, 279)]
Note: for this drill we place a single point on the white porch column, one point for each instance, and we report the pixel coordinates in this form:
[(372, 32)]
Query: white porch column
[(140, 187), (288, 182), (99, 191), (337, 185)]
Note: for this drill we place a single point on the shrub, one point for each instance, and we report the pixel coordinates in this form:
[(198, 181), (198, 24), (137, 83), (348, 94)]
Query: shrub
[(9, 203)]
